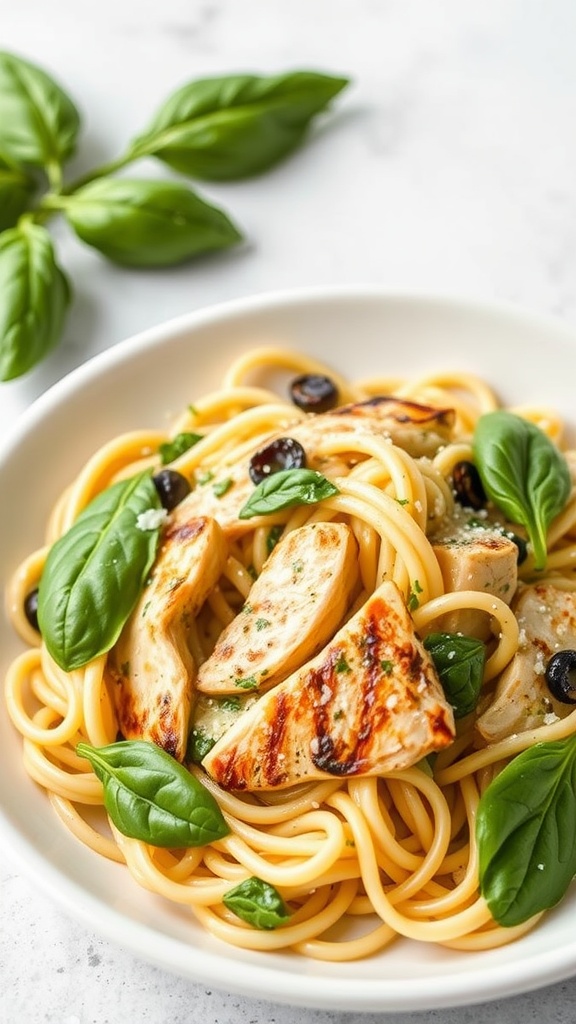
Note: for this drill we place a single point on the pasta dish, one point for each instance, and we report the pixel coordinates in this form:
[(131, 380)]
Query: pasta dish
[(304, 662)]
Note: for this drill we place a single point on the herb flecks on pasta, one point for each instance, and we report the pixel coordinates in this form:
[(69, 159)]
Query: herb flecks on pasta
[(339, 651)]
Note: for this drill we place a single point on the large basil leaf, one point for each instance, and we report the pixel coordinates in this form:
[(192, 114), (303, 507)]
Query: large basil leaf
[(287, 488), (16, 190), (523, 473), (146, 223), (525, 827), (35, 295), (38, 121), (151, 797), (236, 125), (459, 662), (95, 573), (258, 903)]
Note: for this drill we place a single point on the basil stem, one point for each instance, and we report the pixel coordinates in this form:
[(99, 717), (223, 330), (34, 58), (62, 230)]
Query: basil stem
[(525, 828), (146, 223), (38, 121), (258, 903), (459, 662), (35, 295), (151, 797), (523, 473), (287, 488), (233, 126), (95, 572)]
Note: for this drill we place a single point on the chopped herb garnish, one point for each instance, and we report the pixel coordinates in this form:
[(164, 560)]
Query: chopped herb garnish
[(342, 665), (387, 667), (204, 478), (250, 683), (230, 704), (222, 486), (413, 601), (171, 450), (262, 624), (273, 537), (200, 744)]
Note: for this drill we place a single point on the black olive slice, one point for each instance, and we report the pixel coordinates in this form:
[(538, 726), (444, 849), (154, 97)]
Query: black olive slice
[(313, 392), (561, 683), (172, 487), (283, 453)]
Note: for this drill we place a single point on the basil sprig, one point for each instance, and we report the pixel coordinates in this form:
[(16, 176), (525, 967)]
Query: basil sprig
[(232, 126), (523, 473), (95, 572), (525, 828), (35, 296), (258, 903), (151, 797), (287, 488), (459, 662), (221, 128)]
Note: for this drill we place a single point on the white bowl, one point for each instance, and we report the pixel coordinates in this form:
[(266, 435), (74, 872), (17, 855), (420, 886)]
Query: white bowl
[(143, 383)]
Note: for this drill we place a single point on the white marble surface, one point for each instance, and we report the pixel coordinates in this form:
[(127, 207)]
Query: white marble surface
[(449, 166)]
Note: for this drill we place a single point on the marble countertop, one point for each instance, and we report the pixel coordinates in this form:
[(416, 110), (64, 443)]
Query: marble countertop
[(448, 166)]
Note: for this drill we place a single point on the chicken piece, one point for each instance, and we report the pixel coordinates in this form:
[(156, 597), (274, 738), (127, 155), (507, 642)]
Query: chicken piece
[(368, 704), (547, 620), (475, 558), (419, 429), (295, 606), (151, 664)]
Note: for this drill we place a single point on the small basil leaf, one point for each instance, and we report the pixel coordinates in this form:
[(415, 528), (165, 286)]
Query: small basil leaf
[(237, 125), (525, 827), (16, 191), (145, 223), (459, 662), (151, 797), (258, 903), (95, 572), (38, 121), (171, 450), (35, 295), (523, 473), (286, 488)]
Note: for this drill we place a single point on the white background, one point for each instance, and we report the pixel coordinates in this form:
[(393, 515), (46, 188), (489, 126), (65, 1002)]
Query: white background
[(448, 166)]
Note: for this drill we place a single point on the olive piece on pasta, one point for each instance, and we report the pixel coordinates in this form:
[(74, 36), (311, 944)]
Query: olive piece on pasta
[(172, 487), (313, 392), (560, 678), (283, 453), (468, 489), (31, 608)]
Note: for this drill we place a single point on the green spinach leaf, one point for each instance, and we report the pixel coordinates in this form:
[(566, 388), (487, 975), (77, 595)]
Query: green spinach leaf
[(233, 126), (258, 903), (523, 473), (95, 572), (151, 797), (146, 223), (286, 488), (35, 296), (459, 662), (525, 827), (39, 123)]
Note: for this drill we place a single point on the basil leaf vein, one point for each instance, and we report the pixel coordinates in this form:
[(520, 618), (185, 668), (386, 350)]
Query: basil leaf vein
[(151, 797), (95, 573), (459, 662), (258, 903), (523, 473), (525, 828), (287, 488)]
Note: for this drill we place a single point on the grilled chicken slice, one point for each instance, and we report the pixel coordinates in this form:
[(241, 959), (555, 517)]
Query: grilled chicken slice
[(475, 557), (151, 664), (294, 607), (547, 620), (419, 429), (368, 704)]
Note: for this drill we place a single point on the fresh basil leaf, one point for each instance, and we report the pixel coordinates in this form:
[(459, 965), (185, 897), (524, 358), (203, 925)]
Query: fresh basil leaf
[(35, 295), (151, 797), (171, 450), (147, 223), (16, 191), (286, 488), (95, 572), (459, 662), (523, 473), (258, 903), (236, 125), (38, 121), (525, 828)]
